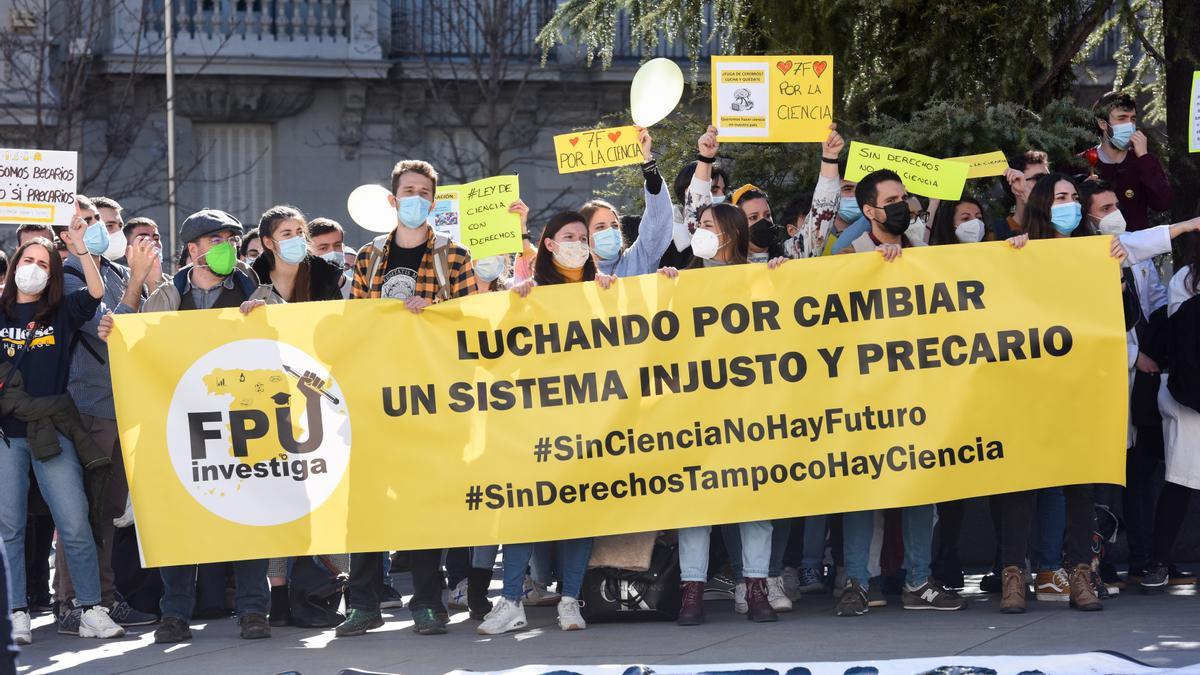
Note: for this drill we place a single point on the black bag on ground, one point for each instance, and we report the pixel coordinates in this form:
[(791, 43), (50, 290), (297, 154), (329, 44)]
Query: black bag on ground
[(315, 592), (613, 595)]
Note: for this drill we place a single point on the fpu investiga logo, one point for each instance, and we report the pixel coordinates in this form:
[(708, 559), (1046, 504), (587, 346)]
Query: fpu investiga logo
[(258, 432)]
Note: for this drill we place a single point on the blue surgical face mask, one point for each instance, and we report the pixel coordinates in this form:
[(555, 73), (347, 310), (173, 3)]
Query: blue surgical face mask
[(1119, 134), (1065, 217), (95, 237), (718, 199), (607, 243), (413, 211), (293, 250), (848, 210)]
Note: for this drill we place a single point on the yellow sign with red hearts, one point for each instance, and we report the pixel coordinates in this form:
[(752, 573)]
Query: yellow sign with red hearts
[(596, 149), (772, 99)]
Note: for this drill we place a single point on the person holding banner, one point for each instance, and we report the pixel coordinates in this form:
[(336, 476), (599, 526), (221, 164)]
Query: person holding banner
[(834, 206), (41, 427), (700, 182), (1052, 211), (722, 238), (1023, 171), (563, 256), (414, 264), (213, 280), (286, 265), (885, 201), (613, 257)]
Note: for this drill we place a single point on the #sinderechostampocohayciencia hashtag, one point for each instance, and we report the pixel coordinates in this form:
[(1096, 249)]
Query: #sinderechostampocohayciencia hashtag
[(474, 497)]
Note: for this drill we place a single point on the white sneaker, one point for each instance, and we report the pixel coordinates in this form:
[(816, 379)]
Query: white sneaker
[(505, 616), (22, 632), (95, 623), (776, 596), (569, 617), (536, 596), (791, 583), (739, 598), (458, 596)]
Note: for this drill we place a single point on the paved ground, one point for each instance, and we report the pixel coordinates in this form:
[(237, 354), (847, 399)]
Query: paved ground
[(1159, 630)]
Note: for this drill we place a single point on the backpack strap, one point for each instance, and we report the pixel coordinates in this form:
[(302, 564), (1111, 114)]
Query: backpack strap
[(377, 245), (441, 266)]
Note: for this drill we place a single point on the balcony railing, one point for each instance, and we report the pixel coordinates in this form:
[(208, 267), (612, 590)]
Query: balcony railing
[(220, 30), (453, 29)]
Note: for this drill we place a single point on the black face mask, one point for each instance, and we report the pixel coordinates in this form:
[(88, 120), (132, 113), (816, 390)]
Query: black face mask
[(765, 233), (897, 219)]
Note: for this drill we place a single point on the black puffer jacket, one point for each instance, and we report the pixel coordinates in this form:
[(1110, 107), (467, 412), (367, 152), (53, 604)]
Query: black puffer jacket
[(323, 276)]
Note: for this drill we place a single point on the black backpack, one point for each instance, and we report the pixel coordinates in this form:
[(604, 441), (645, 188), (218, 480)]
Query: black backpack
[(315, 592)]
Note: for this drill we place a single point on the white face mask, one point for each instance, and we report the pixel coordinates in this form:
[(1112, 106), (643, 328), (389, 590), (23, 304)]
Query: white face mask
[(916, 230), (116, 246), (490, 269), (31, 279), (705, 243), (335, 258), (572, 254), (970, 232), (1113, 223)]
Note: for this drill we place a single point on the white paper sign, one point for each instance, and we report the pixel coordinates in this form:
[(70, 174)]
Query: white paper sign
[(1194, 124), (37, 186)]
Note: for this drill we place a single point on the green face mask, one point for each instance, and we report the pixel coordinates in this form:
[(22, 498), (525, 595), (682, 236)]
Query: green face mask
[(221, 259)]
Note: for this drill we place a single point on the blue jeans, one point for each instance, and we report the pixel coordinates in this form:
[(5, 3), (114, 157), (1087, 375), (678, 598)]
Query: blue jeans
[(1052, 523), (859, 526), (573, 556), (755, 549), (781, 531), (814, 542), (179, 589), (484, 557), (61, 481)]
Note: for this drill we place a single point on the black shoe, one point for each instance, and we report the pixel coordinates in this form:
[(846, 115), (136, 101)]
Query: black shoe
[(1155, 578), (281, 606), (990, 583), (854, 599), (171, 630), (390, 598), (40, 602), (255, 626), (950, 576), (931, 596), (123, 614)]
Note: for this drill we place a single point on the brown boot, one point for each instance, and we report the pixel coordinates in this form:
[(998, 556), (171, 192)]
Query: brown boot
[(756, 598), (1083, 597), (1012, 593), (691, 611)]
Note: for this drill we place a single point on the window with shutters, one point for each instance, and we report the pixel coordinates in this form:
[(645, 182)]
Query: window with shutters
[(235, 168)]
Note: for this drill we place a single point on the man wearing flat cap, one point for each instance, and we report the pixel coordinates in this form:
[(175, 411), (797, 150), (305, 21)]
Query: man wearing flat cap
[(214, 279)]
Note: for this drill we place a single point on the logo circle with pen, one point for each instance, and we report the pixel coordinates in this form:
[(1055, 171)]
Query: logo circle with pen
[(258, 432)]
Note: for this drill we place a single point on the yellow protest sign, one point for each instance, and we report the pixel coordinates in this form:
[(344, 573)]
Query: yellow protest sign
[(772, 99), (597, 149), (741, 393), (476, 215), (983, 165), (922, 175)]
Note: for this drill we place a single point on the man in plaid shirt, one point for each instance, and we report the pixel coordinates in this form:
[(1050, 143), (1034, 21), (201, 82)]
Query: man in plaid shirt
[(414, 264)]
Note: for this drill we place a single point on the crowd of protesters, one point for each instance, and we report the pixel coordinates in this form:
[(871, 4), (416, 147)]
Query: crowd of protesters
[(64, 486)]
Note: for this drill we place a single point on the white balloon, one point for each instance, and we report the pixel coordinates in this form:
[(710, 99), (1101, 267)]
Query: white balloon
[(655, 91), (369, 207)]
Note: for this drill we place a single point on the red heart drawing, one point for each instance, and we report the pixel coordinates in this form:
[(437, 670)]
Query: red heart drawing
[(819, 67), (784, 66), (613, 136), (574, 140)]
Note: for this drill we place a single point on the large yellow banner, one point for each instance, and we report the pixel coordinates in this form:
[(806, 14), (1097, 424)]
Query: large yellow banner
[(732, 394)]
